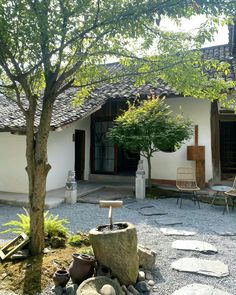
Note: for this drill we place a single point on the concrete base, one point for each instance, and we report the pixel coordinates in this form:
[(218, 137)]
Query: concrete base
[(140, 188), (53, 199), (71, 196), (111, 178)]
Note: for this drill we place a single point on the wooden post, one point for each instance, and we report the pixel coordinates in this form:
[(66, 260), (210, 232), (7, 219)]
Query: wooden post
[(196, 135), (197, 153), (215, 141)]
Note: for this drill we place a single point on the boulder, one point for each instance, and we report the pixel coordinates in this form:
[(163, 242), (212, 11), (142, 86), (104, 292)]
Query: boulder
[(147, 258), (117, 250), (142, 287), (107, 290), (141, 276)]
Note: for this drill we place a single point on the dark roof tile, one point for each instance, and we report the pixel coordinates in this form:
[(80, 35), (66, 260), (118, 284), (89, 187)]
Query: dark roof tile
[(65, 113)]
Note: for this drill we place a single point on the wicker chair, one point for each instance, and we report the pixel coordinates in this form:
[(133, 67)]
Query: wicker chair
[(186, 183), (231, 194)]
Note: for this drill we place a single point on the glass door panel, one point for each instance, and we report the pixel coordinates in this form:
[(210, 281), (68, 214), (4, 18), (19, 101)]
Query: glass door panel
[(104, 149)]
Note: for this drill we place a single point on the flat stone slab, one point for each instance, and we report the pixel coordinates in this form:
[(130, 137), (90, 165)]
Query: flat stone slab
[(138, 206), (150, 211), (226, 233), (194, 245), (171, 231), (199, 289), (168, 221), (212, 268)]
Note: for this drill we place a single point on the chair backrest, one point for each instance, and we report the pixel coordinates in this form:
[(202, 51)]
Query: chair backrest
[(234, 184), (185, 177)]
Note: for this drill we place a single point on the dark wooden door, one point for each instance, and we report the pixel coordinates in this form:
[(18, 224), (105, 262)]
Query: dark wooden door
[(228, 148), (79, 154)]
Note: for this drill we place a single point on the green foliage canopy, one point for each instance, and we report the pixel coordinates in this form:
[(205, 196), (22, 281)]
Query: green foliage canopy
[(150, 127), (54, 44)]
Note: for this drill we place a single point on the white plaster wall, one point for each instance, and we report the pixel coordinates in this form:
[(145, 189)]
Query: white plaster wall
[(164, 165), (61, 153), (13, 177), (61, 156)]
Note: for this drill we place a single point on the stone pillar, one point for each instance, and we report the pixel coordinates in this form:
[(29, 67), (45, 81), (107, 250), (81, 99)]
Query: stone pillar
[(117, 250), (140, 182), (71, 188)]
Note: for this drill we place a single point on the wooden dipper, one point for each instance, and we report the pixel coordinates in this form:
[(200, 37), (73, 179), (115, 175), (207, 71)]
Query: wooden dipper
[(110, 205)]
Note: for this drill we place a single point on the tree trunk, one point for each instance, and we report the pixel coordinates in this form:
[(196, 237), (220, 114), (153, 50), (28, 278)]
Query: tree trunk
[(149, 171), (37, 169)]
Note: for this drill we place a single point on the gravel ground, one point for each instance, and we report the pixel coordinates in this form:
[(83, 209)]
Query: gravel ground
[(207, 220)]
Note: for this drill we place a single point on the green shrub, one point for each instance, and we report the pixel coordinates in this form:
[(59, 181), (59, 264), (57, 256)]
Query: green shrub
[(79, 239), (87, 250), (53, 225)]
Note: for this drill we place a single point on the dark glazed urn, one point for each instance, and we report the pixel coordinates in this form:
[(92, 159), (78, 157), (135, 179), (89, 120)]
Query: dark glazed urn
[(61, 278), (81, 268)]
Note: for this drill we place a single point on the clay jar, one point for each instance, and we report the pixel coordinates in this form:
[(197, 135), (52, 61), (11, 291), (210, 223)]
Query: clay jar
[(61, 278), (81, 268)]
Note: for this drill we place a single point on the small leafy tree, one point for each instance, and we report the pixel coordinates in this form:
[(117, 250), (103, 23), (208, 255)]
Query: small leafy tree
[(150, 127)]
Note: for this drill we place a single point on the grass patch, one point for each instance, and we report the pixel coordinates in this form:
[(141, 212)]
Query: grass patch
[(33, 274)]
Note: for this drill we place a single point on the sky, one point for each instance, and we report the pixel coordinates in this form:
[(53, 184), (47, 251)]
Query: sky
[(189, 25)]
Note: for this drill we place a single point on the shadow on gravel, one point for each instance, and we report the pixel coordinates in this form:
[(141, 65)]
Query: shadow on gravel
[(158, 276), (33, 276)]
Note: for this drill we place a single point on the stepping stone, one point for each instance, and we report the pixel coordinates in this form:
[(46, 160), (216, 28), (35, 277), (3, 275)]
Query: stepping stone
[(226, 233), (168, 221), (212, 268), (199, 289), (193, 245), (150, 211), (177, 232), (138, 206)]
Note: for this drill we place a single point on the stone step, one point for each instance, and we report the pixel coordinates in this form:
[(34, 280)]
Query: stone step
[(112, 178), (199, 289), (212, 268), (194, 245), (181, 231)]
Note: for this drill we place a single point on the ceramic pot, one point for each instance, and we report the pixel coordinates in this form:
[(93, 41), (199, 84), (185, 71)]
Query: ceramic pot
[(61, 278), (81, 268)]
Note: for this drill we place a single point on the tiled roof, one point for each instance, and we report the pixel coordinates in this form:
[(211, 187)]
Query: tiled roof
[(64, 112)]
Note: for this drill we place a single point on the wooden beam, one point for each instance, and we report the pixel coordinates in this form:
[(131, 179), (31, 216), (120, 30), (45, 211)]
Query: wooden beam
[(215, 141)]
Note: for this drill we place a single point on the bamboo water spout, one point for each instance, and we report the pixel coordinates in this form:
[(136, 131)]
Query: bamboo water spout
[(110, 205)]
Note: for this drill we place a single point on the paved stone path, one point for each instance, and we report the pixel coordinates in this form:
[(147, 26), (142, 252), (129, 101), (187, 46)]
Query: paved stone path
[(174, 226), (151, 211), (171, 231), (199, 289), (168, 221), (193, 245), (213, 268)]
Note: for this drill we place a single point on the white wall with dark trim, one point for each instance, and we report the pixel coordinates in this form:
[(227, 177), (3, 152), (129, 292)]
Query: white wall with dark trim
[(61, 155), (164, 165), (13, 177)]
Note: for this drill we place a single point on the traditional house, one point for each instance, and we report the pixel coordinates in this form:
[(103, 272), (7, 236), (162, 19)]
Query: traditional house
[(77, 138)]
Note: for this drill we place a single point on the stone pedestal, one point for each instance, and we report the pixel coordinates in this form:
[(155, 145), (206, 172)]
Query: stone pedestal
[(71, 188), (140, 182), (117, 250)]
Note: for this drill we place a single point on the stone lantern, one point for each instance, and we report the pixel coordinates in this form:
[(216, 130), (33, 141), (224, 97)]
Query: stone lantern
[(140, 182), (71, 188)]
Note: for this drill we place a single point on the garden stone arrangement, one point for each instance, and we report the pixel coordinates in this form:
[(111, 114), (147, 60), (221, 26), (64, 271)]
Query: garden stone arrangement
[(195, 265), (105, 282), (205, 240), (122, 267)]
